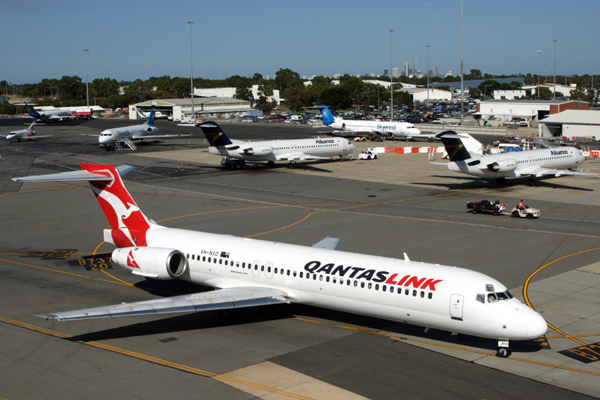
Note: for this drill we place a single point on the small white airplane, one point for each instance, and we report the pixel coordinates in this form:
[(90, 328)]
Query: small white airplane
[(25, 134), (49, 114), (249, 273), (273, 150), (348, 127), (466, 156), (124, 136)]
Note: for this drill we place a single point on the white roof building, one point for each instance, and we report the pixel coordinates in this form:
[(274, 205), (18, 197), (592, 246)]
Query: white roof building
[(571, 124)]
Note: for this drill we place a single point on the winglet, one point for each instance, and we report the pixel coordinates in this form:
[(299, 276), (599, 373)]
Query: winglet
[(326, 114), (214, 134)]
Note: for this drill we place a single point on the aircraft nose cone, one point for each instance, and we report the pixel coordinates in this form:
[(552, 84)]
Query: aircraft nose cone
[(536, 326), (352, 147)]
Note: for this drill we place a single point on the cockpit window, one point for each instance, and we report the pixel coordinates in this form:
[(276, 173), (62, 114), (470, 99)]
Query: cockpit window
[(494, 297), (481, 298)]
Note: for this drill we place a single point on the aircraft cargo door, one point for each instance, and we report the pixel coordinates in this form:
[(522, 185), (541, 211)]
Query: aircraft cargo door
[(456, 306)]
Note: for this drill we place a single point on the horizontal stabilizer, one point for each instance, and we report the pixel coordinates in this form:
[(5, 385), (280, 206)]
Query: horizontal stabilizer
[(330, 243), (74, 176), (220, 299)]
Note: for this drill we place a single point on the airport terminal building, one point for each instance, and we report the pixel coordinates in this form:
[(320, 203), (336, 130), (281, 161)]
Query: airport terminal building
[(500, 112)]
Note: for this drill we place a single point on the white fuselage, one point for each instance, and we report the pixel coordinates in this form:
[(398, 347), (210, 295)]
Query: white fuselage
[(434, 296), (23, 134), (405, 129), (274, 150), (516, 164), (134, 132)]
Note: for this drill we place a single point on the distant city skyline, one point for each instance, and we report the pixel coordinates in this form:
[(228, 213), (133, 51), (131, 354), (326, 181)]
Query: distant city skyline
[(142, 39)]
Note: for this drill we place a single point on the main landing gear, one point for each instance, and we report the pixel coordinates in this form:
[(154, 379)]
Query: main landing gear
[(503, 349), (291, 164)]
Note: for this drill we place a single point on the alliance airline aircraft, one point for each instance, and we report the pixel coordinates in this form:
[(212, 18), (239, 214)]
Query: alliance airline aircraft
[(466, 157), (115, 137), (25, 134), (49, 115), (247, 273), (354, 127), (273, 150)]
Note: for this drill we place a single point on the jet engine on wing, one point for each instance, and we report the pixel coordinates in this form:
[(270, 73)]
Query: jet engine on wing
[(152, 262), (502, 166), (259, 150)]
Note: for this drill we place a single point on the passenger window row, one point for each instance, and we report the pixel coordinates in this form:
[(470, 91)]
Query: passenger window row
[(301, 274)]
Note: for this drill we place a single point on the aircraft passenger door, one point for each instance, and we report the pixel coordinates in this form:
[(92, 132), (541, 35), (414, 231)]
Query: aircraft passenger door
[(456, 306), (256, 268), (344, 145), (269, 270)]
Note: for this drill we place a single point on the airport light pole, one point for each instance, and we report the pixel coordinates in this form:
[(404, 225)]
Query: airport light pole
[(462, 78), (427, 75), (87, 90), (554, 94), (392, 73), (191, 69), (538, 88)]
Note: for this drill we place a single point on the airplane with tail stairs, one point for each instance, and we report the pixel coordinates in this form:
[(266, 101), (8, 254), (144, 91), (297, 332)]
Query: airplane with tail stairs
[(466, 156), (122, 138), (49, 115), (238, 152), (250, 273), (348, 127)]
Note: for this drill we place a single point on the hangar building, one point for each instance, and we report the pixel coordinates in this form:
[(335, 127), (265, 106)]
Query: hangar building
[(572, 124), (206, 107), (530, 111)]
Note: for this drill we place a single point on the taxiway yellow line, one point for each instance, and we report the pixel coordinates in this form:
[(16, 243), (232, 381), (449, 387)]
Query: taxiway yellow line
[(526, 286)]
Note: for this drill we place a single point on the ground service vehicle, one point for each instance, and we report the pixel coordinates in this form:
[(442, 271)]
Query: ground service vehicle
[(525, 212), (495, 207)]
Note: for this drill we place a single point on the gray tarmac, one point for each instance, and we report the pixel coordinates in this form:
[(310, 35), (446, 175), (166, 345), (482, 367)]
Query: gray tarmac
[(385, 207)]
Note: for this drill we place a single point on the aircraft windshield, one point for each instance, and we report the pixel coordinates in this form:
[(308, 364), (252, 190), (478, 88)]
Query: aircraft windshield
[(494, 297)]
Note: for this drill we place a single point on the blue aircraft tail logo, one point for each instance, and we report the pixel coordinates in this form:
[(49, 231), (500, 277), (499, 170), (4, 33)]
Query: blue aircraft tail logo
[(214, 134), (327, 116), (33, 113), (151, 118), (454, 146)]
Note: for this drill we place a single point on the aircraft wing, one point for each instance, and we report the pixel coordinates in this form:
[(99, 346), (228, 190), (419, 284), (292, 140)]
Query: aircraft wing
[(330, 243), (220, 299), (538, 171), (138, 137)]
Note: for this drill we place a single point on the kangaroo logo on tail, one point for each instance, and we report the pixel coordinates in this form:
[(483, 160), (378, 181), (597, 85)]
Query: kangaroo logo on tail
[(128, 223)]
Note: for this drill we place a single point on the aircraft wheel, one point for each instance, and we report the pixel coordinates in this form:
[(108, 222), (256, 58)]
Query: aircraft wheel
[(503, 352), (501, 181), (530, 182), (270, 164)]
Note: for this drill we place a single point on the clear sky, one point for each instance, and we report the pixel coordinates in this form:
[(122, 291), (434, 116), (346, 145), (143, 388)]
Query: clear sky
[(130, 39)]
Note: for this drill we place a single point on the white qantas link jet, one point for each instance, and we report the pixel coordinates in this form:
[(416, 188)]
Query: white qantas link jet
[(25, 134), (273, 150), (247, 273), (353, 127), (465, 156), (124, 136)]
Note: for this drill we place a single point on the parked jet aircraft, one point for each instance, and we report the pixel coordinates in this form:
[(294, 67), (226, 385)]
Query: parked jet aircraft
[(124, 136), (49, 115), (465, 156), (247, 273), (25, 134), (273, 150), (343, 127)]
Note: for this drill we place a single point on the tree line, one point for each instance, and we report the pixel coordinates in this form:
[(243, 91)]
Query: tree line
[(350, 92)]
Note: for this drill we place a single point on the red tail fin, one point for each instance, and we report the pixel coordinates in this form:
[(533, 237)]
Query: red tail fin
[(128, 223)]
